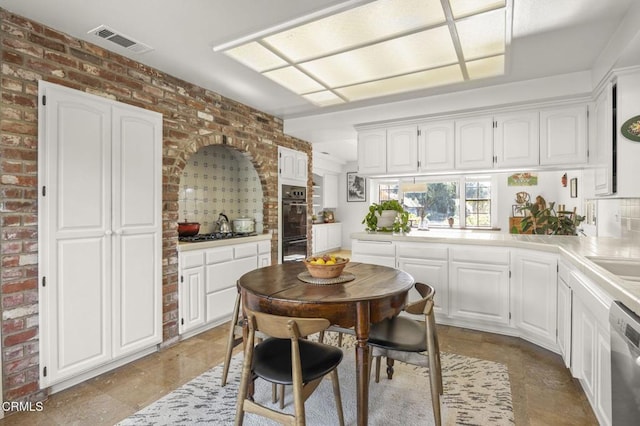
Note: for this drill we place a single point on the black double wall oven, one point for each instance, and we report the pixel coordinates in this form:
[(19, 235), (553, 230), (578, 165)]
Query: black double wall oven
[(294, 223)]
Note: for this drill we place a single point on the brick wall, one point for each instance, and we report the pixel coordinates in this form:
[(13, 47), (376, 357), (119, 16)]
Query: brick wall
[(193, 117)]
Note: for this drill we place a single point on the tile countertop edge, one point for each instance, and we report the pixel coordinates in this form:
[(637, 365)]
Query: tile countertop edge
[(573, 250), (187, 246)]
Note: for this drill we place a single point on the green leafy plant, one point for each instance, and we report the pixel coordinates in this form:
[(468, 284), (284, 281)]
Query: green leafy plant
[(400, 224), (546, 221)]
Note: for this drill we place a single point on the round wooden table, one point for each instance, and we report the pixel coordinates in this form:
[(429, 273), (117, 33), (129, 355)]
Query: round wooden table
[(376, 293)]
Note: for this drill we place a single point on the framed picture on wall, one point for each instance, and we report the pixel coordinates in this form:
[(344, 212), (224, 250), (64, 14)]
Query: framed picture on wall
[(573, 183), (356, 188)]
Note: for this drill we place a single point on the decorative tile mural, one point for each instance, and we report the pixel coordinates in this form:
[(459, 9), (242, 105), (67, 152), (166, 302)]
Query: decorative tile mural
[(218, 180)]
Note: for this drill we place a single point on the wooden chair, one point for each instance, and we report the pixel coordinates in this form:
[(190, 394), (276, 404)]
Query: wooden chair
[(406, 340), (287, 358)]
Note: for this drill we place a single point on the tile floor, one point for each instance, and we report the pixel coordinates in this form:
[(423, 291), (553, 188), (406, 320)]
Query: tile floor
[(543, 391)]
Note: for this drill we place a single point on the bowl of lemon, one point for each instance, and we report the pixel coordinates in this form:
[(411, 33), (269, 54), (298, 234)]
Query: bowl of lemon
[(326, 266)]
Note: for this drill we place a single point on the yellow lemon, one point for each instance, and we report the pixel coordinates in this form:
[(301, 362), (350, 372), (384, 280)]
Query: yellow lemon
[(320, 261), (330, 262)]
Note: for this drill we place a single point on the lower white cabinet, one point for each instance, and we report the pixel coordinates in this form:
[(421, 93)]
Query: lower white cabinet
[(534, 295), (372, 251), (565, 297), (327, 236), (479, 285), (428, 264), (591, 357), (207, 281)]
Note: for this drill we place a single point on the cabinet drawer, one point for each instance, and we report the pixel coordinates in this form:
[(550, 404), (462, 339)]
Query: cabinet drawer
[(221, 254), (264, 247), (493, 256), (379, 248), (245, 250), (220, 304), (421, 251), (191, 260)]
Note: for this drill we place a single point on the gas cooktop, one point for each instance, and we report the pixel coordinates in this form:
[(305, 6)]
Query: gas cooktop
[(214, 236)]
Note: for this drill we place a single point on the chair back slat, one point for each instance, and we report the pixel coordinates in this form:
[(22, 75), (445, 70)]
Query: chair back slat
[(422, 306), (287, 327)]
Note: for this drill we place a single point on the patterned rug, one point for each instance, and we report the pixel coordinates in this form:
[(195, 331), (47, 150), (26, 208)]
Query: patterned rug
[(476, 392)]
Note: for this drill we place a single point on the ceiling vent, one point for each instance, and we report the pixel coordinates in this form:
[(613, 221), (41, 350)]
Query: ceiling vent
[(120, 39)]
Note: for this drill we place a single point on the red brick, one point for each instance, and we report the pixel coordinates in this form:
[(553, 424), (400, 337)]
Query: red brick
[(18, 286), (20, 391), (13, 326), (12, 300), (13, 339)]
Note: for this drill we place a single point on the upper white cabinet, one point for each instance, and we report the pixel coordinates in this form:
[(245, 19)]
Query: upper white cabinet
[(402, 149), (563, 135), (436, 146), (516, 139), (372, 151), (601, 143), (100, 231), (474, 143), (292, 165), (330, 191)]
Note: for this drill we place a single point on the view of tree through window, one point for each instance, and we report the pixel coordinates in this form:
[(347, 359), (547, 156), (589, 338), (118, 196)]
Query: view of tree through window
[(388, 191), (437, 202), (478, 203)]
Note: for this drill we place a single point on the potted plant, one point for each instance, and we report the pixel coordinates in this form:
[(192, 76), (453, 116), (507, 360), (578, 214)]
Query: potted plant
[(387, 216), (546, 221)]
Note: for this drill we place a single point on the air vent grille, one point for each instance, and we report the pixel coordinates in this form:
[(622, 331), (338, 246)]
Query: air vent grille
[(120, 39)]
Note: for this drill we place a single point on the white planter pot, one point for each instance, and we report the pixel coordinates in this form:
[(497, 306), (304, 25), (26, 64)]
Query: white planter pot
[(386, 218)]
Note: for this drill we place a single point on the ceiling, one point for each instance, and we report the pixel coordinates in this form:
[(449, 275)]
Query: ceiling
[(548, 38)]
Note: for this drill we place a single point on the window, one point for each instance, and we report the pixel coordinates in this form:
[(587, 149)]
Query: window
[(477, 203), (431, 202)]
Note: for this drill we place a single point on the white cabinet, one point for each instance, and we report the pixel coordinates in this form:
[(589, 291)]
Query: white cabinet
[(516, 139), (372, 151), (402, 149), (207, 281), (436, 146), (292, 166), (591, 358), (327, 236), (100, 231), (534, 296), (564, 313), (429, 264), (563, 135), (372, 251), (602, 142), (191, 290), (474, 143), (330, 191), (479, 285)]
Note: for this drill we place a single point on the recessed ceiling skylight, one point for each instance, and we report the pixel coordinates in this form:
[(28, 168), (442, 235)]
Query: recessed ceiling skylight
[(382, 48)]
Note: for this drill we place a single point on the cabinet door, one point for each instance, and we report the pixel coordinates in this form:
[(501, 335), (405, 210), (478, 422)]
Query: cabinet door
[(474, 143), (372, 151), (137, 229), (287, 166), (603, 375), (435, 146), (563, 135), (602, 142), (334, 236), (75, 234), (516, 139), (264, 260), (330, 191), (584, 357), (192, 299), (402, 149), (320, 238), (564, 321), (534, 298), (434, 273), (479, 292), (300, 169)]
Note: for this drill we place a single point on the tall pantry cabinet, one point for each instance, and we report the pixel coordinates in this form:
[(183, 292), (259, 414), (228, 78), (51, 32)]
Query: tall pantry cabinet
[(100, 232)]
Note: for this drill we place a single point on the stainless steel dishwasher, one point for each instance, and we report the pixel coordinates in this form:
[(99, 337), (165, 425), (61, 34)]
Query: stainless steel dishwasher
[(625, 365)]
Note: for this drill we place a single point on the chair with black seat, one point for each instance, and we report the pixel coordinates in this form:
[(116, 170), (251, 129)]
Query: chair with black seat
[(406, 339), (287, 358)]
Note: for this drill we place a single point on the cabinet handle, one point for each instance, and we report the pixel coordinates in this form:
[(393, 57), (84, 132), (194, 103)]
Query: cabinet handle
[(375, 242), (108, 232)]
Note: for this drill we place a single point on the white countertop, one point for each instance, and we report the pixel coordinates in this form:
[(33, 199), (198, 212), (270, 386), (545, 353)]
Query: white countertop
[(188, 246), (574, 250)]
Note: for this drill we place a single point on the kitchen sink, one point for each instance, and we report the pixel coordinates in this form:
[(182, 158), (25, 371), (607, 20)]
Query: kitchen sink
[(627, 269)]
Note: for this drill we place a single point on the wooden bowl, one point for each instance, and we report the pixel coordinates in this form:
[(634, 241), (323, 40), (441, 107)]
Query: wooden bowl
[(325, 271)]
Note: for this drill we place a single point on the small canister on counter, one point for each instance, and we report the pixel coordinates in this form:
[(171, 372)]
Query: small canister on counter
[(243, 225)]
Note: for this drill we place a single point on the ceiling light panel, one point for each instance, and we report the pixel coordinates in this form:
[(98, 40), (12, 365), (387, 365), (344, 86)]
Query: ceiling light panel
[(487, 67), (482, 35), (294, 80), (461, 8), (415, 52), (256, 56), (370, 23), (416, 81), (324, 98)]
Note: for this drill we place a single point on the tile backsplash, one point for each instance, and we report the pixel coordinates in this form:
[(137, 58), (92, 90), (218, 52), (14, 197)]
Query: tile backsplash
[(218, 180), (630, 217)]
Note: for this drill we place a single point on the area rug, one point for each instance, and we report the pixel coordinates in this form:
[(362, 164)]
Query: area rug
[(476, 392)]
